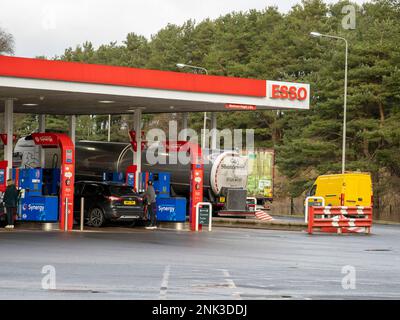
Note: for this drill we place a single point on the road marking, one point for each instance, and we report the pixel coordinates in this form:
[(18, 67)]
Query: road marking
[(164, 283), (231, 284)]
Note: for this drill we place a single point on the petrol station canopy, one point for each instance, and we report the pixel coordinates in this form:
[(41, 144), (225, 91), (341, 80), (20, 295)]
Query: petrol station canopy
[(40, 86)]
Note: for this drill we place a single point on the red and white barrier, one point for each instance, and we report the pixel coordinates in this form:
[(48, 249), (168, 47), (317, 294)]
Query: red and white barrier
[(340, 219), (262, 215)]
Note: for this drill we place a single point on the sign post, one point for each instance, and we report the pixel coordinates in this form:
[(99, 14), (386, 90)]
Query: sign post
[(204, 215)]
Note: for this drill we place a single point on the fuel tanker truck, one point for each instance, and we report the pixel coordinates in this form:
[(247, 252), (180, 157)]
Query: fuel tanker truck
[(225, 171)]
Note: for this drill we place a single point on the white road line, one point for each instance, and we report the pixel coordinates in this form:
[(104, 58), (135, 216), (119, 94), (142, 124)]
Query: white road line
[(231, 284), (164, 283)]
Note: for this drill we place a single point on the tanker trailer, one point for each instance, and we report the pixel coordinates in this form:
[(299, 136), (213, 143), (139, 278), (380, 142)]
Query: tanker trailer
[(225, 172)]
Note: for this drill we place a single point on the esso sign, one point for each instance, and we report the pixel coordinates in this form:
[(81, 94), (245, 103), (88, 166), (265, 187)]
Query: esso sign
[(286, 92), (291, 95)]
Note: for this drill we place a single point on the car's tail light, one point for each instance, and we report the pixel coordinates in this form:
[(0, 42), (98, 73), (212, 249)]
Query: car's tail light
[(342, 199), (113, 198), (372, 200)]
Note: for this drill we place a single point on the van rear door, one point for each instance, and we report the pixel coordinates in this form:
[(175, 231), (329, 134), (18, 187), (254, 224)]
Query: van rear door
[(358, 190), (351, 190), (364, 191), (330, 188)]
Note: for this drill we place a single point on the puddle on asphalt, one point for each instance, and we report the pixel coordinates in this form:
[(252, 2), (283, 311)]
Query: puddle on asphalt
[(75, 291)]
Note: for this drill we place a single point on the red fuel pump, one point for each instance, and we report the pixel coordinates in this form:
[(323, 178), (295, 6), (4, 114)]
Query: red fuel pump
[(131, 175), (67, 177), (4, 164), (196, 174), (3, 175)]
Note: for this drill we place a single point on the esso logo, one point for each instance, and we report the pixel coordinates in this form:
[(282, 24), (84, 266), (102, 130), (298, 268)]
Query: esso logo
[(46, 139), (288, 92), (68, 175)]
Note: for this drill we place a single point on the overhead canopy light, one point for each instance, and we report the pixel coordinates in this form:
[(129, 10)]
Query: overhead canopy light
[(30, 104), (106, 101)]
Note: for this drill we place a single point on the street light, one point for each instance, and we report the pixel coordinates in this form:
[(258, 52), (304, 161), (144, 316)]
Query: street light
[(315, 34), (319, 35), (181, 66)]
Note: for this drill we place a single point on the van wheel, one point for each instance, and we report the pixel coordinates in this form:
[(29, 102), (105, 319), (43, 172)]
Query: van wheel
[(96, 217)]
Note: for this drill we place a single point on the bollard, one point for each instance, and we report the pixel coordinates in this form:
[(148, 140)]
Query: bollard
[(82, 212), (66, 215)]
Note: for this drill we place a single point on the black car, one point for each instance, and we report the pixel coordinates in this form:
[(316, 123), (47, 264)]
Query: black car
[(107, 201)]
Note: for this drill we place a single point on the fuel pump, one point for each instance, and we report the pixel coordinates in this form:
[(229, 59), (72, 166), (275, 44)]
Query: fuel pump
[(47, 194), (34, 204)]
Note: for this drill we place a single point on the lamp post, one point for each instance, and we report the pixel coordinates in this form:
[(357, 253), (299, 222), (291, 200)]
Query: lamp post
[(181, 66), (109, 128), (319, 35)]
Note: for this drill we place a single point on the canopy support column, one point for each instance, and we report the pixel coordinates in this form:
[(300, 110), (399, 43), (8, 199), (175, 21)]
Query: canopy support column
[(213, 130), (185, 121), (72, 128), (42, 129), (137, 126), (9, 130)]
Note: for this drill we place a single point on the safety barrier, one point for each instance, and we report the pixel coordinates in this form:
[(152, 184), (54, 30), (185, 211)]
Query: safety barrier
[(340, 219)]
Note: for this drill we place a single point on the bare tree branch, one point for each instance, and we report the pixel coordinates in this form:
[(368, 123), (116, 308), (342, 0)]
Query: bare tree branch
[(6, 42)]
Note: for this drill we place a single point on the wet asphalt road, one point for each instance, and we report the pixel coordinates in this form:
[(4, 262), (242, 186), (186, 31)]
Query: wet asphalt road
[(225, 264)]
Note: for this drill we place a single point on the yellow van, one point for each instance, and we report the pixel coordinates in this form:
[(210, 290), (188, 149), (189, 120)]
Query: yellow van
[(348, 189)]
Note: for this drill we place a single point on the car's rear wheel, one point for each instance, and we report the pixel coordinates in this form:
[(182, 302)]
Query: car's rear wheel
[(96, 217)]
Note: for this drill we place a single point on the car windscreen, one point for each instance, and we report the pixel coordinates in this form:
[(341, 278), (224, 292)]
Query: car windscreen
[(121, 190)]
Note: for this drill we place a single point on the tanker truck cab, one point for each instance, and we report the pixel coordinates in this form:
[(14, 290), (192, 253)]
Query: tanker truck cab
[(348, 189)]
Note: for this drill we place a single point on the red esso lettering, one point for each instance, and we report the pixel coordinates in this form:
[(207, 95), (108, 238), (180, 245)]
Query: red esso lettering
[(302, 94), (275, 94), (291, 93)]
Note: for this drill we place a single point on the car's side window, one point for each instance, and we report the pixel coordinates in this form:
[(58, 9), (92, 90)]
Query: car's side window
[(99, 189), (78, 189), (90, 190), (313, 190)]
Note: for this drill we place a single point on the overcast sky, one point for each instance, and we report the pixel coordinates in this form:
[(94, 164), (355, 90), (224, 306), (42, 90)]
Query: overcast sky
[(47, 27)]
